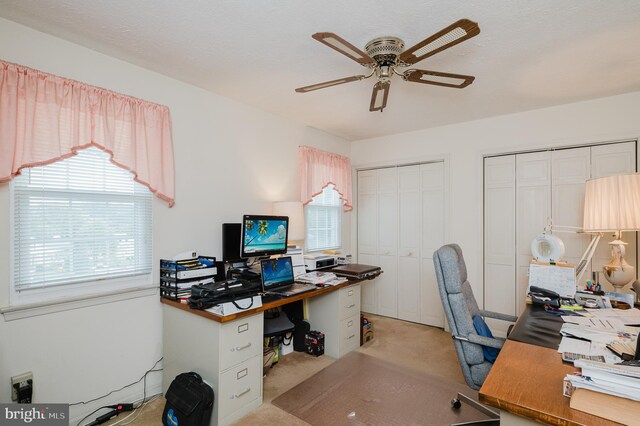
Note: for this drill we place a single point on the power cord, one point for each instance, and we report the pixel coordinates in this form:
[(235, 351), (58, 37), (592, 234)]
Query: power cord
[(124, 387), (144, 394)]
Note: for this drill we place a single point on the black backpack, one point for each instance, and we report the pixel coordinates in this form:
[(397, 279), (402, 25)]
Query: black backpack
[(189, 401)]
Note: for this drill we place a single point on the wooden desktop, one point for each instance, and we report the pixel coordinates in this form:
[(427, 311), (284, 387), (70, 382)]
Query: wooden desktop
[(525, 383)]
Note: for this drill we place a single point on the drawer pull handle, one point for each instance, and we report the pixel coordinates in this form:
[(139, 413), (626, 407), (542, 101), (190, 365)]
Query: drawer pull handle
[(351, 305), (239, 348), (238, 395), (351, 337)]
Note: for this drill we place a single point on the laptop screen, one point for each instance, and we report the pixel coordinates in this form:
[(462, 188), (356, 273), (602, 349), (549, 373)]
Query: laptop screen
[(276, 273)]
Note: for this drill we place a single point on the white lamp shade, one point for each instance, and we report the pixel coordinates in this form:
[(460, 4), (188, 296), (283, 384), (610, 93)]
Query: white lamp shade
[(612, 203), (294, 210)]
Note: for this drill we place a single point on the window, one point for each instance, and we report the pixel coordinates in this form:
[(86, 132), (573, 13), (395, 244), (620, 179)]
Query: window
[(77, 221), (323, 219)]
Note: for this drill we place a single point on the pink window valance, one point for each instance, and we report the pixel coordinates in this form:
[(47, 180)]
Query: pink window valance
[(45, 118), (318, 169)]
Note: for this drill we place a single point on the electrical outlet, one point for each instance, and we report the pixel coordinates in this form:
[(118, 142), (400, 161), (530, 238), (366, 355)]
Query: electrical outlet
[(22, 380)]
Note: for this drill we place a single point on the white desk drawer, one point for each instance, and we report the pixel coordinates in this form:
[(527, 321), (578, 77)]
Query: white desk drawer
[(239, 386), (349, 334), (349, 301), (240, 340)]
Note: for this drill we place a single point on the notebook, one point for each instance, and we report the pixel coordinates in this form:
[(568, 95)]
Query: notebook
[(277, 278)]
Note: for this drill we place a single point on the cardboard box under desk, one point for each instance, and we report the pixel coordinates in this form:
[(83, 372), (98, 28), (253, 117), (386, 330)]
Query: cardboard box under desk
[(367, 333)]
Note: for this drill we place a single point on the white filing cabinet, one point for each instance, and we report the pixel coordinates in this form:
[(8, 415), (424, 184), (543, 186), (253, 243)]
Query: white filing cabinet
[(227, 355), (337, 315)]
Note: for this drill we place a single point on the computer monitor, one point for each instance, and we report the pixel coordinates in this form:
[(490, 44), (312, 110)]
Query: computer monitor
[(264, 235)]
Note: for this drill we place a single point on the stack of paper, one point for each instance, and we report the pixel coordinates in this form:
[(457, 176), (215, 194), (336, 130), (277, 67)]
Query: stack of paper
[(617, 380)]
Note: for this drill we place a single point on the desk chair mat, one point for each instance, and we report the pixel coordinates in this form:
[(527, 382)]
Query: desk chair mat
[(359, 389), (537, 327)]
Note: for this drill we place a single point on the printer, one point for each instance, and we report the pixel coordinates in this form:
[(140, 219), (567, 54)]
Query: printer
[(313, 262)]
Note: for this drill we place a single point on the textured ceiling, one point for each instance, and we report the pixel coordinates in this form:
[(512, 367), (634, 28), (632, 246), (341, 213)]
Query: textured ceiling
[(529, 54)]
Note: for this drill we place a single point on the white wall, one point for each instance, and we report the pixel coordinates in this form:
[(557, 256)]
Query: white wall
[(230, 159), (463, 145)]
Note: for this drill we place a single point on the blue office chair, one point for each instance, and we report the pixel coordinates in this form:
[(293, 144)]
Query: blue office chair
[(460, 308)]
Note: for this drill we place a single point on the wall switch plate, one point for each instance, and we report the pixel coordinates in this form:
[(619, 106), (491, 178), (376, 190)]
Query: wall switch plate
[(21, 380)]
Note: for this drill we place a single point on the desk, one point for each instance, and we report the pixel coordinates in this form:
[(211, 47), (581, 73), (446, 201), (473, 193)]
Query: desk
[(526, 381), (227, 350)]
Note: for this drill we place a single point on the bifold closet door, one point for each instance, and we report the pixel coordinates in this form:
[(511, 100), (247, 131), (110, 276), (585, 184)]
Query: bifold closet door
[(410, 230), (401, 222), (387, 283), (434, 223), (368, 234), (521, 193)]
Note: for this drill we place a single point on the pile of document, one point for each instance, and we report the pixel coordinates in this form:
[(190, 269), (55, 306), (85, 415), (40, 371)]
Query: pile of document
[(320, 277), (617, 380), (600, 332)]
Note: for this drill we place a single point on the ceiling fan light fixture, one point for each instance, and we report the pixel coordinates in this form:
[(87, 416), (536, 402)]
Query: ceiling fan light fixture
[(384, 55)]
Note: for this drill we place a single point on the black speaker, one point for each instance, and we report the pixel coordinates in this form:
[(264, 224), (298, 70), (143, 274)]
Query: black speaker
[(231, 236)]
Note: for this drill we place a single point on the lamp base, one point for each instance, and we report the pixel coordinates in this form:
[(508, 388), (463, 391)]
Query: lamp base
[(618, 272)]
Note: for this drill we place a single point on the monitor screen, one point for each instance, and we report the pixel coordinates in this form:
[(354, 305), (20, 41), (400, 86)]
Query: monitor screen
[(276, 272), (264, 235)]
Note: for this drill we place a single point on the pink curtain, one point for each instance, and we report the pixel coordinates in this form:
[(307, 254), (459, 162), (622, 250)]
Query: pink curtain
[(318, 169), (45, 118)]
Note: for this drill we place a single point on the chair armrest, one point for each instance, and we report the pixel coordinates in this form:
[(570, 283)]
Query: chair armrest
[(495, 342), (496, 315)]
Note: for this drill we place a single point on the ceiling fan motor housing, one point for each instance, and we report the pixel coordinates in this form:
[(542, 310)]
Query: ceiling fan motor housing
[(385, 50)]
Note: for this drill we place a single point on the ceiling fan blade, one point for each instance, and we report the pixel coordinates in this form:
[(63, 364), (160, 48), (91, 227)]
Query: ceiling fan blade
[(379, 96), (455, 33), (317, 86), (343, 46), (439, 78)]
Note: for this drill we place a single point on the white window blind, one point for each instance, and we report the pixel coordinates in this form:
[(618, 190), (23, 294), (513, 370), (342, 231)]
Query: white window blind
[(323, 219), (80, 219)]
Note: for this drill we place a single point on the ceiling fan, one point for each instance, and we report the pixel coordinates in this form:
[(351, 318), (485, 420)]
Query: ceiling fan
[(384, 55)]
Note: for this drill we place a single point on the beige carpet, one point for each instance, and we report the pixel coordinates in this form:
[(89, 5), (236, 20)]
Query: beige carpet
[(413, 346)]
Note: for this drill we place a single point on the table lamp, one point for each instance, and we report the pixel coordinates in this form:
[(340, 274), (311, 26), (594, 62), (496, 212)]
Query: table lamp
[(612, 204), (294, 210)]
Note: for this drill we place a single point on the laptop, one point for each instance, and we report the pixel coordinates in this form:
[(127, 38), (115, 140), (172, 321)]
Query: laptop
[(277, 278)]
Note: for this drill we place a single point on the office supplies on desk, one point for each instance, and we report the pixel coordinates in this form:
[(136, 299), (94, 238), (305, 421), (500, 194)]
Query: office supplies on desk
[(277, 278), (316, 277), (542, 296), (559, 278)]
